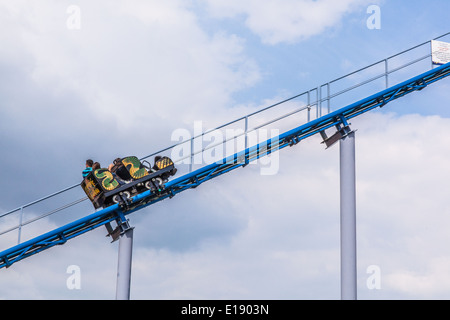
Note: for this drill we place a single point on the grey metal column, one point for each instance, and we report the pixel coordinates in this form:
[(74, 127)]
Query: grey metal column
[(348, 216), (124, 265)]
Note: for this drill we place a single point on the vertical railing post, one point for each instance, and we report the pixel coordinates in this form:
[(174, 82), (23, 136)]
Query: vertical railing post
[(309, 106), (386, 72), (319, 98), (246, 155), (192, 155), (20, 225), (328, 97)]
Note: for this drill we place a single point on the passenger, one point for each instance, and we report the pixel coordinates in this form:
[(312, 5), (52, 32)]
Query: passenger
[(96, 166), (119, 171), (89, 164), (115, 165)]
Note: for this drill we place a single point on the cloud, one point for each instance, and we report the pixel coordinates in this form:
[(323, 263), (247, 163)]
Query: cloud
[(132, 74), (288, 21), (431, 281), (44, 275), (247, 236), (114, 87), (131, 62), (289, 223), (402, 211)]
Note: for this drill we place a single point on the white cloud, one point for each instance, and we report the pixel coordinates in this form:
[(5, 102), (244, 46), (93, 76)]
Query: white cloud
[(290, 222), (402, 207), (115, 87), (242, 235), (286, 21), (131, 62), (431, 283), (44, 275), (248, 236)]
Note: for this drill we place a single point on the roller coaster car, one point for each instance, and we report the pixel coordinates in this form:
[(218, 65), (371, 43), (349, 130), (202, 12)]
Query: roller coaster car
[(127, 178)]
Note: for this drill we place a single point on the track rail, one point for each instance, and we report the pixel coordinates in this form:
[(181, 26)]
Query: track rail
[(193, 179)]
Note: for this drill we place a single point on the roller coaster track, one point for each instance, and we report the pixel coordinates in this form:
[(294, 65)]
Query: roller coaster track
[(338, 119)]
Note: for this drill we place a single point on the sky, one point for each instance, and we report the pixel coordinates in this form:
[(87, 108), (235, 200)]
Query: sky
[(101, 79)]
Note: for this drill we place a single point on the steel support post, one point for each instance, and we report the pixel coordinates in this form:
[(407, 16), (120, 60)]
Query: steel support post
[(348, 216), (124, 265)]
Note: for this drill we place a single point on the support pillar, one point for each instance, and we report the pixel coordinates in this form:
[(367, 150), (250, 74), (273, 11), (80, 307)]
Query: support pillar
[(124, 264), (348, 216)]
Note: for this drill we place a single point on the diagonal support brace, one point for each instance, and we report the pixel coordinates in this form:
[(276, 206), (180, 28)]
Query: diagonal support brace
[(123, 226), (343, 130)]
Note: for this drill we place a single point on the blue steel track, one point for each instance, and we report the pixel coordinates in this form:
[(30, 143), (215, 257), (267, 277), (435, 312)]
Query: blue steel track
[(336, 119)]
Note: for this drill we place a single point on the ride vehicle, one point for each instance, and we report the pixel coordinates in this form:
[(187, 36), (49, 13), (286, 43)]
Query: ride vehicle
[(128, 177)]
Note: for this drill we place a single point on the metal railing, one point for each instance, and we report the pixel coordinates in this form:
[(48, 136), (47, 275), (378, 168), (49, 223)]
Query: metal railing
[(314, 101), (311, 104)]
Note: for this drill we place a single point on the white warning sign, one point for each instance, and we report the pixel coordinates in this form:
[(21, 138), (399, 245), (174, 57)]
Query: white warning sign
[(440, 52)]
